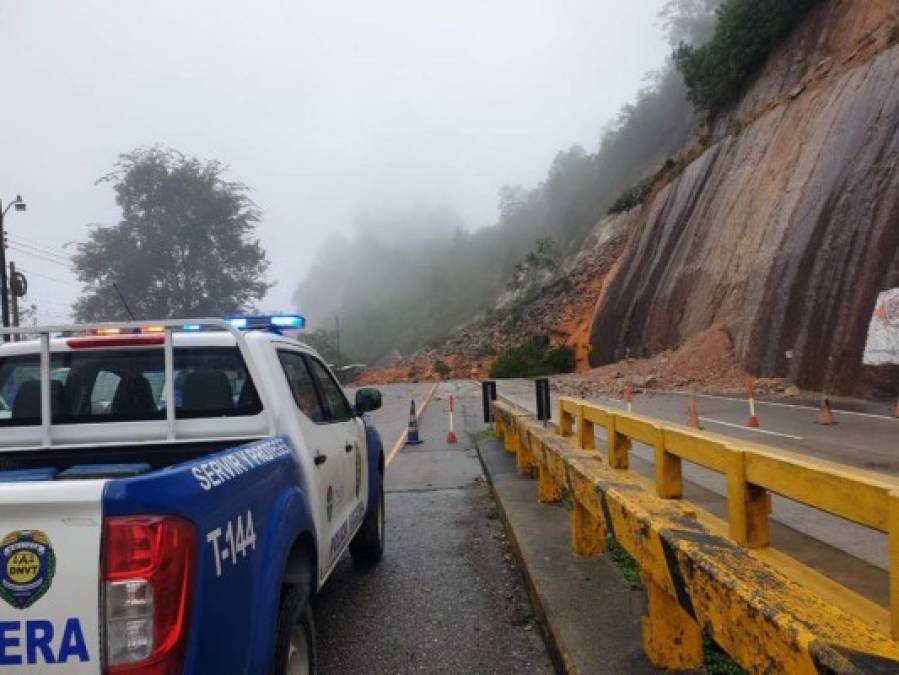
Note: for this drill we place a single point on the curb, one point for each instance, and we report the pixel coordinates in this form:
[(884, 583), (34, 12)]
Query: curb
[(557, 652), (402, 439)]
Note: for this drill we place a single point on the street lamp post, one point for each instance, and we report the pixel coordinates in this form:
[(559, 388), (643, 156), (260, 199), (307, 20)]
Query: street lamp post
[(20, 205)]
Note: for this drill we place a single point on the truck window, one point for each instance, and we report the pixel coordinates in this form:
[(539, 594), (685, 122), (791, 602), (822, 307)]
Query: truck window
[(301, 385), (120, 385), (338, 407)]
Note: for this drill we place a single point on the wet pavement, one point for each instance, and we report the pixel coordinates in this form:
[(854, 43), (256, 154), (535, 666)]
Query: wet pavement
[(447, 597)]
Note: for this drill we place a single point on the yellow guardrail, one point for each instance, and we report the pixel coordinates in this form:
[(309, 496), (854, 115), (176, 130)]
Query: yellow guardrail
[(770, 612)]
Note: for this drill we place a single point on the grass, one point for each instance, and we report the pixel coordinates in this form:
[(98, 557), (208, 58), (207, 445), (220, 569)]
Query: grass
[(485, 434), (625, 563), (715, 660)]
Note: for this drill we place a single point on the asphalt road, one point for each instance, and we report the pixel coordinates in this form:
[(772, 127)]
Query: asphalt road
[(446, 598), (866, 441), (860, 439)]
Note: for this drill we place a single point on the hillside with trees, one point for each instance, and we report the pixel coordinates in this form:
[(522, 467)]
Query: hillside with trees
[(425, 275)]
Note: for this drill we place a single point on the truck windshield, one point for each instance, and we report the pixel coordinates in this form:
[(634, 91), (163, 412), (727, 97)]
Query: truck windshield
[(120, 385)]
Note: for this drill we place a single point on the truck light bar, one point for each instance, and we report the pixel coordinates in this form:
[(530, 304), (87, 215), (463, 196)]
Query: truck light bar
[(270, 322), (116, 340)]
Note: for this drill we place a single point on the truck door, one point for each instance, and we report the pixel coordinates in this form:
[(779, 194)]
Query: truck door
[(351, 435), (325, 444)]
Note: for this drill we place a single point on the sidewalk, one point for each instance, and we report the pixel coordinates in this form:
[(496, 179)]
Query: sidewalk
[(590, 613)]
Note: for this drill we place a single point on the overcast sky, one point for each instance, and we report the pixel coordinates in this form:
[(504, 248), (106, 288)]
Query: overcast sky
[(324, 109)]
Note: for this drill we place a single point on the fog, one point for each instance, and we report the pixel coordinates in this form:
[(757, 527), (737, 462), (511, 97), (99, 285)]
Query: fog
[(327, 110)]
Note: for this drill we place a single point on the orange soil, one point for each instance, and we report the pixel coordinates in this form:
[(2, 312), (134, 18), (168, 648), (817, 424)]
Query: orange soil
[(705, 361), (576, 321)]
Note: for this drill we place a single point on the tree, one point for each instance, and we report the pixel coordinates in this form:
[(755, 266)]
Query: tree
[(28, 315), (183, 248), (688, 21), (325, 343), (746, 31)]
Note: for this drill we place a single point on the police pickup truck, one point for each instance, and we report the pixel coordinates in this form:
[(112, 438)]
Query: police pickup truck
[(172, 495)]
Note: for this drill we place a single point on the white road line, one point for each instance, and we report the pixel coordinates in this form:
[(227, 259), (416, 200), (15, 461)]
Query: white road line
[(745, 428), (782, 405)]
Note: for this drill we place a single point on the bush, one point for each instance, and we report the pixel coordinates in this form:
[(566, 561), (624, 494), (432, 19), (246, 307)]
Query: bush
[(632, 197), (532, 360), (441, 369), (747, 30)]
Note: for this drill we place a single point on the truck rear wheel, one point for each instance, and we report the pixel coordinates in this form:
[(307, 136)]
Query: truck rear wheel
[(295, 638), (367, 546)]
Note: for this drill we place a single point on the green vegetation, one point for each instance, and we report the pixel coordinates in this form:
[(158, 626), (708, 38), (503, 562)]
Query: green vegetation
[(632, 197), (626, 564), (717, 72), (542, 260), (325, 343), (716, 661), (441, 369), (533, 360), (184, 246), (565, 499), (485, 434)]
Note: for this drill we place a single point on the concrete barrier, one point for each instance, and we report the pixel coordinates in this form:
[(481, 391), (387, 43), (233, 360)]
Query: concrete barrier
[(768, 611)]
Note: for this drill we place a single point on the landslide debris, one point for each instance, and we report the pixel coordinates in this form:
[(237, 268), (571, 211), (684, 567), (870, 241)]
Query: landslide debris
[(705, 362)]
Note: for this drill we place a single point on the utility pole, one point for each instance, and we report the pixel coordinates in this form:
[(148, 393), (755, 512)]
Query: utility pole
[(19, 203), (337, 336), (14, 297), (4, 286)]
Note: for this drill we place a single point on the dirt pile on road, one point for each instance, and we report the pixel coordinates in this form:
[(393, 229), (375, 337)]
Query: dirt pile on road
[(706, 362)]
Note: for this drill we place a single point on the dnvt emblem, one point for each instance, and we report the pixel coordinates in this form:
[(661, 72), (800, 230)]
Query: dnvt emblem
[(27, 566)]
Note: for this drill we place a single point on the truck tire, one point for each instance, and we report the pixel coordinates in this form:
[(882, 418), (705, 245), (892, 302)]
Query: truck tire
[(367, 547), (295, 637)]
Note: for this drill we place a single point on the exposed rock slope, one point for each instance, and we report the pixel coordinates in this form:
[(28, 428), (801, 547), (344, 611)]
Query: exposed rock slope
[(786, 226)]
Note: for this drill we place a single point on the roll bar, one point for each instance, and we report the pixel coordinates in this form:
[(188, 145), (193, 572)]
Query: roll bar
[(169, 326)]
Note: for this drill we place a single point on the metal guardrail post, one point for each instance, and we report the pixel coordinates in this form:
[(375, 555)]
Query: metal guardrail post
[(488, 395)]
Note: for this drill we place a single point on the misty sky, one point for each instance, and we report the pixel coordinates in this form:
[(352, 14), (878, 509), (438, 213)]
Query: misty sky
[(324, 109)]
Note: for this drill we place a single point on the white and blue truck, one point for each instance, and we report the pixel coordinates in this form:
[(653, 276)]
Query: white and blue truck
[(174, 494)]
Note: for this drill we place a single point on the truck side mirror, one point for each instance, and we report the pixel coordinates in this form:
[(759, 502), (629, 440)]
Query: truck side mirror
[(367, 399)]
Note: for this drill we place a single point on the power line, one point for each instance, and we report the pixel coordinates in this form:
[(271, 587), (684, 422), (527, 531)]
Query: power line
[(44, 248), (38, 249), (15, 247), (49, 278)]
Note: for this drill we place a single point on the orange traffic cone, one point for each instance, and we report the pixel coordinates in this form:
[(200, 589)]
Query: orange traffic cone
[(692, 414), (451, 435), (753, 421), (629, 397), (825, 416)]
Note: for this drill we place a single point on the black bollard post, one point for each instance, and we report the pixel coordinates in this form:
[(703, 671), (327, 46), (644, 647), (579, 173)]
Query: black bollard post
[(488, 394), (541, 387)]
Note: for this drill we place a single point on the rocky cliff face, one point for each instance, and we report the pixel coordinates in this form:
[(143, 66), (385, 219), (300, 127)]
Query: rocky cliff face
[(786, 226)]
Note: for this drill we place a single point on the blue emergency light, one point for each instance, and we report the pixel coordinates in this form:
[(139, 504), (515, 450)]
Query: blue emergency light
[(270, 322)]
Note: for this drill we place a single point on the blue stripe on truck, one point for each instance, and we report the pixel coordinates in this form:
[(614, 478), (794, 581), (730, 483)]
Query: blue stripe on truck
[(248, 505)]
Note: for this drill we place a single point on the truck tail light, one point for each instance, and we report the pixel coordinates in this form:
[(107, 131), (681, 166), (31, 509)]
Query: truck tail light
[(148, 564)]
